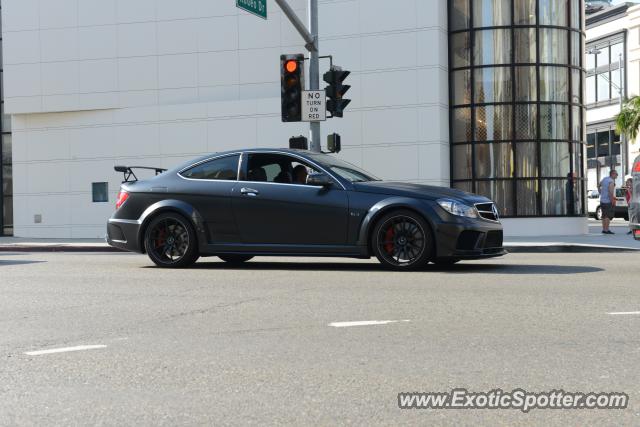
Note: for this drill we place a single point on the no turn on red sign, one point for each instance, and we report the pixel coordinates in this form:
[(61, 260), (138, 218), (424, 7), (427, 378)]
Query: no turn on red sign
[(314, 106)]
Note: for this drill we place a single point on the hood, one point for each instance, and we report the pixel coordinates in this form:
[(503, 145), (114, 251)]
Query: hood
[(421, 191)]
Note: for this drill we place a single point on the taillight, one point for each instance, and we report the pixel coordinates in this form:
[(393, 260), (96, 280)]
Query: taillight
[(122, 197), (636, 166)]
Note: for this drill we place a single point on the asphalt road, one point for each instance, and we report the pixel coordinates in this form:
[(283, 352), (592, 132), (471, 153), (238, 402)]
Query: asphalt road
[(233, 346)]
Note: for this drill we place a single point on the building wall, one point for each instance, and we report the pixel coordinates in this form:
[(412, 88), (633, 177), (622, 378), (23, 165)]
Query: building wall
[(630, 23), (94, 83)]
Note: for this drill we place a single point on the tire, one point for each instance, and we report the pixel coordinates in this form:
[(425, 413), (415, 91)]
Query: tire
[(170, 241), (235, 259), (598, 214), (402, 240)]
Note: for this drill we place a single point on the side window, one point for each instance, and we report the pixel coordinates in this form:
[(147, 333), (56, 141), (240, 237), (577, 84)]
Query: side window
[(223, 169), (277, 168)]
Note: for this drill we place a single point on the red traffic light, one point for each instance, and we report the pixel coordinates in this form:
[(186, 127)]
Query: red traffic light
[(291, 66)]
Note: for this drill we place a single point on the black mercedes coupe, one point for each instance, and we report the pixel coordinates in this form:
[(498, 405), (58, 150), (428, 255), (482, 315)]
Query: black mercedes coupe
[(244, 203)]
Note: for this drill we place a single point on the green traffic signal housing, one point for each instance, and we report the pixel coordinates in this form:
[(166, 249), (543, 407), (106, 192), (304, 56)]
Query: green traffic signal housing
[(336, 90), (292, 85)]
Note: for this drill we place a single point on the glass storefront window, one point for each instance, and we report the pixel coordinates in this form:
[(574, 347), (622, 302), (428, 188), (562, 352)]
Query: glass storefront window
[(501, 192), (527, 159), (525, 12), (576, 53), (462, 155), (554, 197), (576, 14), (494, 160), (554, 121), (554, 84), (553, 46), (459, 17), (492, 47), (528, 197), (491, 13), (460, 50), (493, 123), (555, 160), (493, 84), (461, 125), (526, 121), (576, 124), (461, 87), (525, 45), (617, 50), (526, 84), (553, 12), (519, 139)]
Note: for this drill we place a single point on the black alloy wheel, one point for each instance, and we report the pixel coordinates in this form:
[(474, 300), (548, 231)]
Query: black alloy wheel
[(235, 259), (402, 240), (170, 241)]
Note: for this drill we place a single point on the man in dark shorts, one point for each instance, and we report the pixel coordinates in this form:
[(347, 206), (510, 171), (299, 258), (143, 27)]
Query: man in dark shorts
[(608, 200)]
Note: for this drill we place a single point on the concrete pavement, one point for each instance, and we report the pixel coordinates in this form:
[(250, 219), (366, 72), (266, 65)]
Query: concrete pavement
[(252, 345)]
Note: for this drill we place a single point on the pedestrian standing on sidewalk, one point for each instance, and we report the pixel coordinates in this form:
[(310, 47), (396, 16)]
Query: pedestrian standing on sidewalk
[(629, 195), (607, 190)]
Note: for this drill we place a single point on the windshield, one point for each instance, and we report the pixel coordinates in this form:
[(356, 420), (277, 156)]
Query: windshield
[(343, 169)]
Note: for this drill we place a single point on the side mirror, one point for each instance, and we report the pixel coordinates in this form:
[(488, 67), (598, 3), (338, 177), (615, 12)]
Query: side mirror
[(319, 179)]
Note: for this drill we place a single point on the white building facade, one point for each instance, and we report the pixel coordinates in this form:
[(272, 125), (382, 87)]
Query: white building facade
[(94, 83), (612, 57)]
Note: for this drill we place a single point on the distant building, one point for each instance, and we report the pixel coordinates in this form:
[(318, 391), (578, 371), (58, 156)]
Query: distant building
[(612, 50)]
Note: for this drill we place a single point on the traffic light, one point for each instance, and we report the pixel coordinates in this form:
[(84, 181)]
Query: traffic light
[(336, 90), (299, 143), (334, 143), (292, 85)]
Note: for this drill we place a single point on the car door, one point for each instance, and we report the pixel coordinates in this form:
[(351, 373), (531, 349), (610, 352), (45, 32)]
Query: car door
[(208, 186), (272, 208)]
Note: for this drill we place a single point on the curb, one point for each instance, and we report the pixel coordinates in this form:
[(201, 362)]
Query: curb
[(567, 248), (58, 248)]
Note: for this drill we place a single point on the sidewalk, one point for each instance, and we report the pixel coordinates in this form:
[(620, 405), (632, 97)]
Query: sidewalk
[(595, 241)]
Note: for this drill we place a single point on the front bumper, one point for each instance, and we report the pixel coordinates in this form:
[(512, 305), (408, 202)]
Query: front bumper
[(470, 239), (124, 234)]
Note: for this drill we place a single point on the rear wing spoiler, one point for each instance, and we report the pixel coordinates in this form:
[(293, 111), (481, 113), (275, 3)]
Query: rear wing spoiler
[(129, 174)]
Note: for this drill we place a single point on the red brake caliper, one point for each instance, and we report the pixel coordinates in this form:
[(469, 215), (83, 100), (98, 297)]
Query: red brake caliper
[(388, 237), (161, 238)]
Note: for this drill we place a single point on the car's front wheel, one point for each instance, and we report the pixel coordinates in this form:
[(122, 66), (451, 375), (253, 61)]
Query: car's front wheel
[(402, 240), (170, 241), (599, 213)]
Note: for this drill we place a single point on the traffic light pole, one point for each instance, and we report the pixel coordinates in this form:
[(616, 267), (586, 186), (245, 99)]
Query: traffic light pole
[(314, 73), (311, 39)]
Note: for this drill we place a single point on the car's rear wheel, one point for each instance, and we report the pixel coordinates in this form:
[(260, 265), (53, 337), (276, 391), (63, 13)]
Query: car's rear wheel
[(235, 259), (402, 240), (170, 241)]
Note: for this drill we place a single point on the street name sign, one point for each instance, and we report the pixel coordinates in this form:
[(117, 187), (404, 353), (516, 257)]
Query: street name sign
[(314, 106), (257, 7)]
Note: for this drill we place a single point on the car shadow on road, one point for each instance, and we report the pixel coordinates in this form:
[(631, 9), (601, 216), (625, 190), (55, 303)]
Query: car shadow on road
[(461, 268)]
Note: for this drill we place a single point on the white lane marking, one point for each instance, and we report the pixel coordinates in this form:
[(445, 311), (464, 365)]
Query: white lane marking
[(64, 349), (364, 323), (618, 313)]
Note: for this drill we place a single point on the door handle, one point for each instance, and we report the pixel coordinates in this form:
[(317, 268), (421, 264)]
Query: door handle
[(249, 192)]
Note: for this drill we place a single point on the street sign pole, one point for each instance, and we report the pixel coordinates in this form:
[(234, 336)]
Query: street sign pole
[(314, 73), (311, 39)]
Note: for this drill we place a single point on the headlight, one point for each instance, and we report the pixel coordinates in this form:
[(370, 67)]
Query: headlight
[(457, 208)]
